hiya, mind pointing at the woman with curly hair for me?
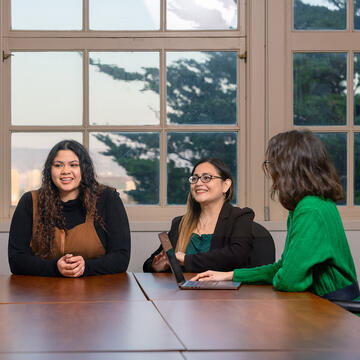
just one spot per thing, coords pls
(72, 226)
(316, 256)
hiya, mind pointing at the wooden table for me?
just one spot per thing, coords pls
(146, 316)
(250, 325)
(28, 289)
(97, 313)
(162, 286)
(124, 355)
(272, 355)
(86, 327)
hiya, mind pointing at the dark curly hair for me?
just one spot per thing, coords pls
(50, 205)
(299, 165)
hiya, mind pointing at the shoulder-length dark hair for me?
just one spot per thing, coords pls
(50, 205)
(299, 165)
(190, 219)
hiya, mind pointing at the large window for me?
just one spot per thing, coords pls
(148, 86)
(152, 86)
(321, 81)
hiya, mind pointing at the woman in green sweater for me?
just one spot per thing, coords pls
(316, 256)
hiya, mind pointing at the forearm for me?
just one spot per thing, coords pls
(111, 263)
(261, 274)
(27, 264)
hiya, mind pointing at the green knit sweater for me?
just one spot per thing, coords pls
(316, 256)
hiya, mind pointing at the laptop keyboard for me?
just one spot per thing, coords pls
(200, 284)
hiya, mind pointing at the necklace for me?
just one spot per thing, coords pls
(201, 226)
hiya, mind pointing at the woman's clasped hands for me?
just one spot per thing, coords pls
(71, 266)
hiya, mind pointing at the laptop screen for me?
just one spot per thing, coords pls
(170, 253)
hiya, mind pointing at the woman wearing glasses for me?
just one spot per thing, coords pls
(316, 256)
(213, 233)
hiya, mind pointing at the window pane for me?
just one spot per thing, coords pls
(46, 88)
(46, 14)
(184, 150)
(28, 155)
(201, 87)
(201, 15)
(336, 146)
(357, 88)
(124, 15)
(130, 163)
(357, 168)
(320, 88)
(124, 88)
(357, 14)
(319, 14)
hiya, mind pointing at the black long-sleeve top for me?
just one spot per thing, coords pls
(231, 243)
(116, 238)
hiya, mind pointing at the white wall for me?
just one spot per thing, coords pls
(4, 264)
(144, 243)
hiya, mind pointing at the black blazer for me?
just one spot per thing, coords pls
(231, 244)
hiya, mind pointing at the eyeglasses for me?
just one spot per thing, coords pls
(204, 178)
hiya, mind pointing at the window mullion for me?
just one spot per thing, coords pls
(163, 132)
(86, 98)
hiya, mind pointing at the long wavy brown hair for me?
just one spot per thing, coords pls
(299, 165)
(189, 221)
(49, 204)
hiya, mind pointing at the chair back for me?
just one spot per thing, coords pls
(263, 252)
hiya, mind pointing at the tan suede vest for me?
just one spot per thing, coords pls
(80, 240)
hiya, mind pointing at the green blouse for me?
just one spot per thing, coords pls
(316, 256)
(199, 244)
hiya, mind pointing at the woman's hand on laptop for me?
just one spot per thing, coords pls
(160, 262)
(211, 275)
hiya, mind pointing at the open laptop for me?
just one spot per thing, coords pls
(179, 276)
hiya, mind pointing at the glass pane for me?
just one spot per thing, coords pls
(201, 87)
(357, 14)
(130, 163)
(46, 14)
(320, 88)
(46, 88)
(201, 15)
(124, 15)
(124, 88)
(319, 14)
(357, 88)
(357, 168)
(184, 150)
(28, 155)
(336, 146)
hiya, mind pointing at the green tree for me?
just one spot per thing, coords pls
(198, 92)
(336, 146)
(139, 155)
(316, 17)
(357, 168)
(319, 88)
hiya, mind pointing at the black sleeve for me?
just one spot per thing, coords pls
(234, 251)
(116, 238)
(21, 260)
(173, 235)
